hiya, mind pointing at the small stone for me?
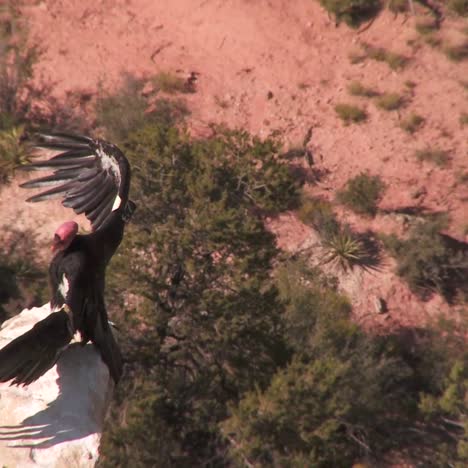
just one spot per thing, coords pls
(380, 305)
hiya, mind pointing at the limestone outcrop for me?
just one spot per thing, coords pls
(55, 422)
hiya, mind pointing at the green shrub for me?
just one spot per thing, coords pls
(463, 118)
(412, 123)
(319, 214)
(457, 53)
(436, 156)
(12, 152)
(210, 313)
(323, 408)
(17, 95)
(352, 12)
(127, 110)
(356, 88)
(23, 279)
(389, 101)
(17, 58)
(430, 262)
(170, 83)
(362, 194)
(350, 114)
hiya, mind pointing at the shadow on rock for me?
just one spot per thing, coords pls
(79, 409)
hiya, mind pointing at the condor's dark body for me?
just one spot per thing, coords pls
(92, 177)
(84, 264)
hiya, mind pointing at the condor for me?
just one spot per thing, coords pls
(91, 177)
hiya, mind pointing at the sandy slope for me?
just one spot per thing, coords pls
(279, 65)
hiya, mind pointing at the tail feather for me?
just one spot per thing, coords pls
(104, 340)
(110, 352)
(32, 354)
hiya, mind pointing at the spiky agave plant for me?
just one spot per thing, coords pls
(344, 250)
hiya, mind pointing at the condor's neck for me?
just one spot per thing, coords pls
(107, 239)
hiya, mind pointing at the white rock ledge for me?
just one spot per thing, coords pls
(55, 422)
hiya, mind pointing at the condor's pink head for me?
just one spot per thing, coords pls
(64, 235)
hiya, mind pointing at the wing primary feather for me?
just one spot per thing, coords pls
(88, 173)
(74, 153)
(55, 163)
(95, 198)
(68, 136)
(103, 215)
(78, 200)
(83, 187)
(47, 181)
(52, 193)
(103, 207)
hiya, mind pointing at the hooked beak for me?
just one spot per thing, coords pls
(57, 243)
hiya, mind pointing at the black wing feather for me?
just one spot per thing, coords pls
(91, 176)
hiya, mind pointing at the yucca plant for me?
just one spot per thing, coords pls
(344, 250)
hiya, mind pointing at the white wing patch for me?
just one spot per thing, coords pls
(109, 164)
(63, 287)
(117, 203)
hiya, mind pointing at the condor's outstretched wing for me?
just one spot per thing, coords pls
(91, 176)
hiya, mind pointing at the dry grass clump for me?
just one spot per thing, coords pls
(393, 60)
(170, 83)
(389, 101)
(356, 88)
(434, 155)
(457, 53)
(412, 123)
(350, 114)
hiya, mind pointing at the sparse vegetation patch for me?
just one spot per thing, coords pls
(393, 60)
(457, 53)
(460, 7)
(431, 262)
(426, 27)
(434, 155)
(170, 83)
(389, 101)
(356, 88)
(412, 123)
(349, 113)
(318, 213)
(362, 193)
(352, 12)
